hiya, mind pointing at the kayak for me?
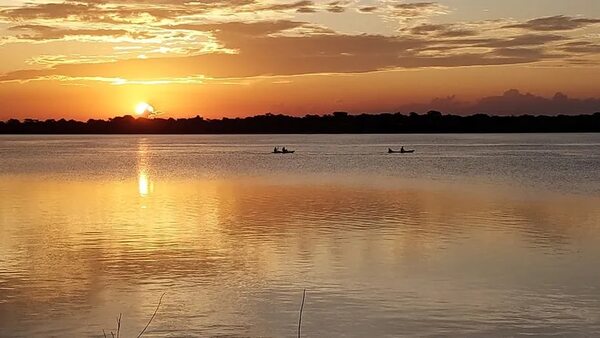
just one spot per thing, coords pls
(284, 152)
(400, 151)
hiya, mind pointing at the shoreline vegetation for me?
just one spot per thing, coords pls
(118, 328)
(336, 123)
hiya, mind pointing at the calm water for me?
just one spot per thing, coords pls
(473, 235)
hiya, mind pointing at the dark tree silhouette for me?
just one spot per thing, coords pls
(338, 122)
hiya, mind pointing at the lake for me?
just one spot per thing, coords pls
(472, 235)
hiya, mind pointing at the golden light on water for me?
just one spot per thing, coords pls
(143, 184)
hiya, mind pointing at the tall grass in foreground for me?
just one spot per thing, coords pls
(118, 333)
(300, 317)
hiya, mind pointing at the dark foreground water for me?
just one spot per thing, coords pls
(473, 235)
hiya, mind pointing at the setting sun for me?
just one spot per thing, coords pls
(143, 108)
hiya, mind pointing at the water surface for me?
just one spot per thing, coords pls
(495, 235)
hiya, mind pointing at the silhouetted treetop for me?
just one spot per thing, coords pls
(338, 122)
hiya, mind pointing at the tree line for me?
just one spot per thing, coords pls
(338, 122)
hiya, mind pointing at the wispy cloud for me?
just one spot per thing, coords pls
(41, 32)
(248, 38)
(260, 48)
(414, 11)
(555, 23)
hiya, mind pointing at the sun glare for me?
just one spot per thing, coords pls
(143, 108)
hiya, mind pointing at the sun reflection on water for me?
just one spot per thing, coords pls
(145, 185)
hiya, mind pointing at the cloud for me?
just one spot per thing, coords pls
(272, 47)
(55, 59)
(443, 30)
(42, 32)
(260, 49)
(512, 102)
(555, 23)
(337, 6)
(410, 14)
(368, 9)
(536, 47)
(515, 102)
(417, 9)
(259, 28)
(306, 10)
(288, 6)
(47, 11)
(132, 11)
(534, 53)
(581, 47)
(76, 12)
(522, 40)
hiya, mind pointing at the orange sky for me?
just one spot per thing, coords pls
(84, 59)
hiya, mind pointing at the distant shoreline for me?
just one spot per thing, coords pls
(337, 123)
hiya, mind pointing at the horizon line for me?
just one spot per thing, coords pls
(338, 114)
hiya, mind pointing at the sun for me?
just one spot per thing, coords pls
(143, 108)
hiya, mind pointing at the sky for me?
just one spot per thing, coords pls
(100, 58)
